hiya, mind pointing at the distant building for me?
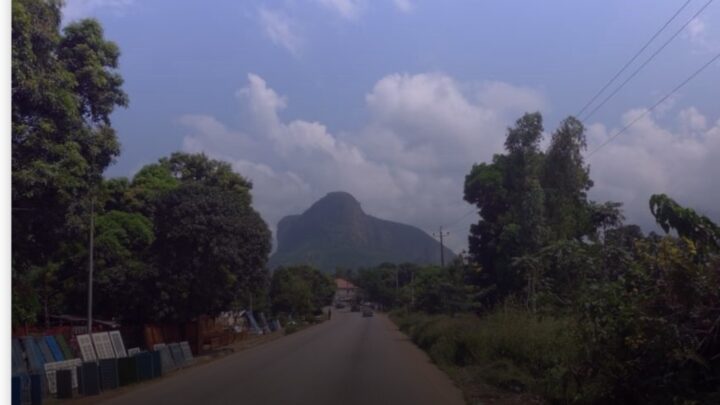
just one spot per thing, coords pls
(345, 291)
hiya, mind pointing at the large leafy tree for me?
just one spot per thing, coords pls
(211, 249)
(64, 88)
(510, 201)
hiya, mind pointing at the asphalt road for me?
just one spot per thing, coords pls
(348, 360)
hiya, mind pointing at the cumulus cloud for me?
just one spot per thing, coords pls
(281, 30)
(76, 9)
(406, 164)
(650, 158)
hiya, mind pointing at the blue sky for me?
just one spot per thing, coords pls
(394, 101)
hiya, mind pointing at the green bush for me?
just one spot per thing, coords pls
(510, 348)
(292, 328)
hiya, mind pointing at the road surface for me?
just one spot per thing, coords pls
(348, 360)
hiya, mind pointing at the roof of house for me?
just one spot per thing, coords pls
(341, 283)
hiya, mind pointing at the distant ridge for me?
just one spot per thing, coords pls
(336, 233)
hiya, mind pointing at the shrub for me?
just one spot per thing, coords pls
(509, 348)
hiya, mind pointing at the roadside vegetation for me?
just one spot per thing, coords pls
(557, 296)
(179, 239)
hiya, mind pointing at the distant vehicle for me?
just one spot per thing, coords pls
(339, 305)
(367, 312)
(354, 308)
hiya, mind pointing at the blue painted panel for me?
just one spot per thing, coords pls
(253, 322)
(54, 348)
(35, 358)
(156, 364)
(18, 362)
(44, 350)
(144, 365)
(177, 354)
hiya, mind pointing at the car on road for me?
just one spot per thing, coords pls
(367, 312)
(354, 308)
(339, 305)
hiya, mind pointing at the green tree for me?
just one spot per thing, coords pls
(211, 248)
(64, 87)
(123, 270)
(215, 173)
(300, 290)
(510, 201)
(147, 187)
(688, 224)
(566, 180)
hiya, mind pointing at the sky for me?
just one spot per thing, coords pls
(395, 100)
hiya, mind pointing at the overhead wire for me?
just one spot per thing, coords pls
(662, 100)
(629, 62)
(451, 224)
(648, 60)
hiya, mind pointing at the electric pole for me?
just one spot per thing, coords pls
(441, 235)
(90, 263)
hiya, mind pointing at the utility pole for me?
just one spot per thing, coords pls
(90, 263)
(441, 235)
(397, 282)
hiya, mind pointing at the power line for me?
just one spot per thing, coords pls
(461, 218)
(648, 60)
(662, 100)
(592, 100)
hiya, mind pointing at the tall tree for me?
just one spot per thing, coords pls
(566, 180)
(510, 202)
(64, 87)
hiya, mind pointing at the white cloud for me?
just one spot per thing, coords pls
(691, 120)
(76, 9)
(281, 30)
(424, 133)
(407, 164)
(697, 32)
(404, 5)
(651, 159)
(348, 9)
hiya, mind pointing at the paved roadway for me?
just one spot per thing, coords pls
(348, 360)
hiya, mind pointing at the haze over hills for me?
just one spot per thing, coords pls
(336, 233)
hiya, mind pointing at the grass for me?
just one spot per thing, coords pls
(511, 349)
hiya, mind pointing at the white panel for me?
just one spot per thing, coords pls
(51, 368)
(103, 346)
(86, 348)
(117, 343)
